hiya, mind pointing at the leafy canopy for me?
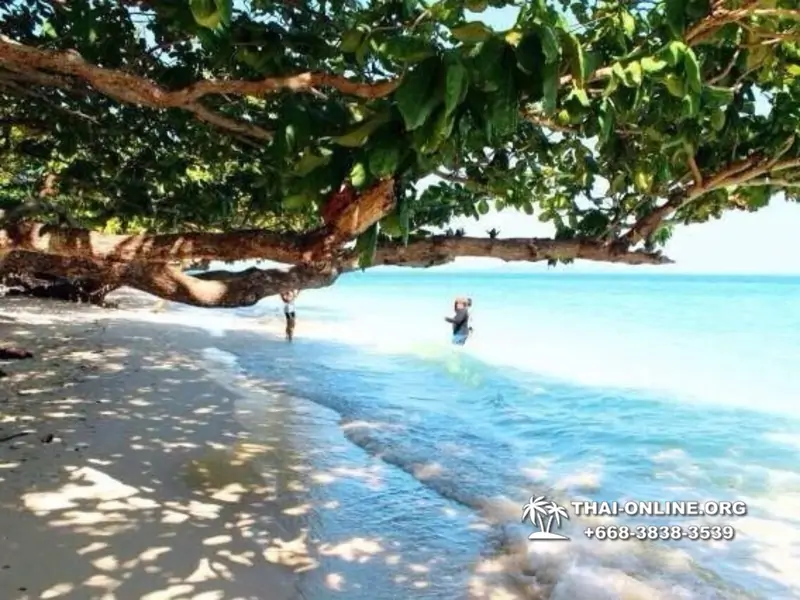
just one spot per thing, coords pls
(611, 120)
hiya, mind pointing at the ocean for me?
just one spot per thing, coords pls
(597, 387)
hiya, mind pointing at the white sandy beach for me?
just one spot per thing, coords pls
(135, 476)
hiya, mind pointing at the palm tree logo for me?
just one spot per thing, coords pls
(539, 507)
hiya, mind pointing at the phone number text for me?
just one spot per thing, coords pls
(662, 533)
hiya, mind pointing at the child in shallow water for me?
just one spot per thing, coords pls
(460, 321)
(288, 298)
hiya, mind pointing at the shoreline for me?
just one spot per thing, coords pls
(187, 463)
(170, 476)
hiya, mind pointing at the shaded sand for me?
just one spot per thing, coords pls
(148, 472)
(103, 510)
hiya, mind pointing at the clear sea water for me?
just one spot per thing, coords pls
(574, 386)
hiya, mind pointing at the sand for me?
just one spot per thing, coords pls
(132, 478)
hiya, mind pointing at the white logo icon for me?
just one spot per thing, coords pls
(539, 508)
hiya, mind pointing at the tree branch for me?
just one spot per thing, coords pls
(28, 62)
(367, 208)
(440, 250)
(737, 174)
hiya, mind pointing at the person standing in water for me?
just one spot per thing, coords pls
(288, 298)
(460, 321)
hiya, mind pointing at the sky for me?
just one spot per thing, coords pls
(765, 242)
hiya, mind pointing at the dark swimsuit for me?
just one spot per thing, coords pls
(461, 328)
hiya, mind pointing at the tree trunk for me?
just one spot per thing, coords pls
(35, 275)
(42, 285)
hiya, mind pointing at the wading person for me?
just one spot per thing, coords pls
(460, 321)
(288, 311)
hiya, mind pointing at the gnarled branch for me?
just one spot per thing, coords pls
(367, 208)
(28, 63)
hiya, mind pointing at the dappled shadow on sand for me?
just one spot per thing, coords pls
(136, 479)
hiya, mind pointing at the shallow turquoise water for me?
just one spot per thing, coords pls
(607, 387)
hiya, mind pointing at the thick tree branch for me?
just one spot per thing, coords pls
(366, 209)
(251, 244)
(440, 250)
(29, 62)
(227, 289)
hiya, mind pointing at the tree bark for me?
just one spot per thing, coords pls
(365, 210)
(36, 276)
(41, 285)
(439, 250)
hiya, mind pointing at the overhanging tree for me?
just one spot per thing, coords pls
(139, 136)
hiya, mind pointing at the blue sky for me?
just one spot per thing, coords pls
(764, 242)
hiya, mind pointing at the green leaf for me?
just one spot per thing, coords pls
(618, 71)
(435, 132)
(628, 23)
(577, 61)
(606, 119)
(690, 106)
(756, 56)
(675, 86)
(651, 64)
(407, 49)
(416, 98)
(581, 96)
(351, 40)
(360, 134)
(383, 159)
(358, 175)
(618, 184)
(472, 32)
(206, 13)
(48, 30)
(673, 53)
(716, 96)
(675, 12)
(611, 86)
(310, 161)
(485, 60)
(456, 85)
(718, 120)
(225, 8)
(550, 81)
(297, 202)
(692, 67)
(362, 50)
(367, 246)
(504, 103)
(529, 52)
(634, 73)
(643, 180)
(390, 225)
(550, 47)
